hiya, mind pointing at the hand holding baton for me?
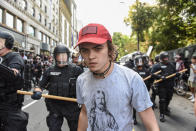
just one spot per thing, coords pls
(170, 76)
(49, 96)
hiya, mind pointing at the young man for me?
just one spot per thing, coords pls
(108, 92)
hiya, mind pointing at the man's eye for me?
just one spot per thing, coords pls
(98, 48)
(83, 50)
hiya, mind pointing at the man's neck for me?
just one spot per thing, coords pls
(107, 74)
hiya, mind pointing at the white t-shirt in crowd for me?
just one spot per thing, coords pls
(109, 101)
(192, 76)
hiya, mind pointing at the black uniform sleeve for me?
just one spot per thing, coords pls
(45, 79)
(78, 71)
(17, 63)
(155, 68)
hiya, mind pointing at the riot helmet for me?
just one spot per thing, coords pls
(157, 58)
(61, 55)
(138, 61)
(9, 39)
(145, 59)
(164, 56)
(134, 54)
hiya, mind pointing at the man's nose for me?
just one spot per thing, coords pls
(91, 54)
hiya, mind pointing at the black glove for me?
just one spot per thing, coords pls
(36, 95)
(177, 74)
(163, 78)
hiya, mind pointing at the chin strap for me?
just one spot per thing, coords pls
(104, 73)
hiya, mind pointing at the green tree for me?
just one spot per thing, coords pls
(124, 44)
(169, 25)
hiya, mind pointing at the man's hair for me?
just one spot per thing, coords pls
(194, 57)
(112, 51)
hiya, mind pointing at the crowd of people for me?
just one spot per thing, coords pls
(35, 65)
(108, 94)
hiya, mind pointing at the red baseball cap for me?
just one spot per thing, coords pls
(94, 33)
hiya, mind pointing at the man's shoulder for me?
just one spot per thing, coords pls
(124, 69)
(85, 74)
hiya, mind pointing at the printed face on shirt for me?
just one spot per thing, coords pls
(100, 99)
(95, 56)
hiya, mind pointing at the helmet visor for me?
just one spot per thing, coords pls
(139, 62)
(61, 59)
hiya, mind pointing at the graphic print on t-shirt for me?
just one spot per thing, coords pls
(100, 118)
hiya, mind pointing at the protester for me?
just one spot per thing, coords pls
(108, 91)
(192, 78)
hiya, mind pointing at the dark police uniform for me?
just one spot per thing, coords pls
(165, 88)
(11, 116)
(60, 81)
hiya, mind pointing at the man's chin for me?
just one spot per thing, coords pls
(95, 70)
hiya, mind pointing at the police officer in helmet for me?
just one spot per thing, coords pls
(165, 88)
(12, 118)
(60, 80)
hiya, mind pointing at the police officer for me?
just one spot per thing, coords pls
(141, 69)
(165, 88)
(12, 118)
(60, 80)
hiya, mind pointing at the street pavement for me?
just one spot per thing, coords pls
(181, 119)
(182, 116)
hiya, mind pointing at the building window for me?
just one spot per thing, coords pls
(50, 26)
(45, 9)
(33, 12)
(40, 17)
(19, 25)
(40, 35)
(45, 22)
(1, 15)
(9, 20)
(44, 38)
(31, 31)
(48, 40)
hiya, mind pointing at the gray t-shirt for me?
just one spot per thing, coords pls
(109, 101)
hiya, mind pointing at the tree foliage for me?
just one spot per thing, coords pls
(168, 25)
(124, 43)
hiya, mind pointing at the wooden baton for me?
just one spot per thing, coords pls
(49, 96)
(170, 76)
(148, 77)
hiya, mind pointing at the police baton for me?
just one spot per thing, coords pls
(49, 96)
(170, 76)
(148, 77)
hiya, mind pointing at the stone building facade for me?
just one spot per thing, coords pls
(37, 24)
